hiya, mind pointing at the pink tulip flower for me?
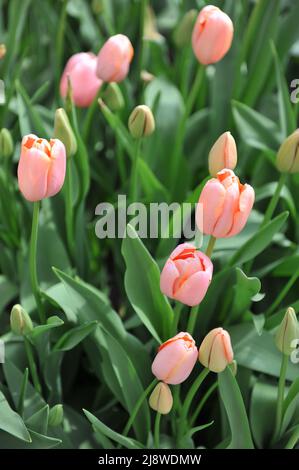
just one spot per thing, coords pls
(212, 35)
(186, 275)
(175, 359)
(41, 169)
(81, 69)
(226, 205)
(215, 351)
(114, 59)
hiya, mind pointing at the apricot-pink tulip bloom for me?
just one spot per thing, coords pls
(215, 351)
(81, 69)
(114, 59)
(41, 169)
(226, 205)
(212, 35)
(175, 359)
(186, 275)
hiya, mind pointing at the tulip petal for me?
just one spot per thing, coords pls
(33, 171)
(212, 199)
(56, 174)
(245, 205)
(194, 288)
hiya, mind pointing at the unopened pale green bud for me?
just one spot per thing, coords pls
(64, 132)
(20, 321)
(161, 398)
(287, 332)
(6, 143)
(183, 32)
(56, 415)
(113, 97)
(287, 160)
(141, 122)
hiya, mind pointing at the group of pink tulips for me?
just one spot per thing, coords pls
(224, 204)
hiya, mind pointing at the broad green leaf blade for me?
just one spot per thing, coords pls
(236, 412)
(256, 130)
(262, 412)
(38, 441)
(142, 282)
(259, 242)
(258, 351)
(245, 289)
(11, 422)
(74, 336)
(99, 426)
(39, 421)
(292, 395)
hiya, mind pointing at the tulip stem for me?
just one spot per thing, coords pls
(274, 200)
(192, 319)
(157, 431)
(134, 180)
(137, 406)
(280, 396)
(176, 316)
(32, 365)
(69, 215)
(179, 140)
(210, 246)
(188, 400)
(33, 262)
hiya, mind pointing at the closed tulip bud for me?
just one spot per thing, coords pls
(20, 321)
(80, 70)
(113, 97)
(114, 59)
(223, 154)
(287, 160)
(212, 35)
(6, 143)
(64, 132)
(56, 416)
(141, 122)
(183, 32)
(215, 351)
(224, 205)
(186, 275)
(161, 399)
(175, 359)
(287, 332)
(41, 169)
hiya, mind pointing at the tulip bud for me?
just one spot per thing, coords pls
(146, 76)
(2, 50)
(64, 132)
(20, 321)
(141, 122)
(56, 415)
(223, 154)
(6, 143)
(175, 359)
(212, 35)
(287, 160)
(288, 330)
(161, 399)
(113, 97)
(215, 351)
(183, 32)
